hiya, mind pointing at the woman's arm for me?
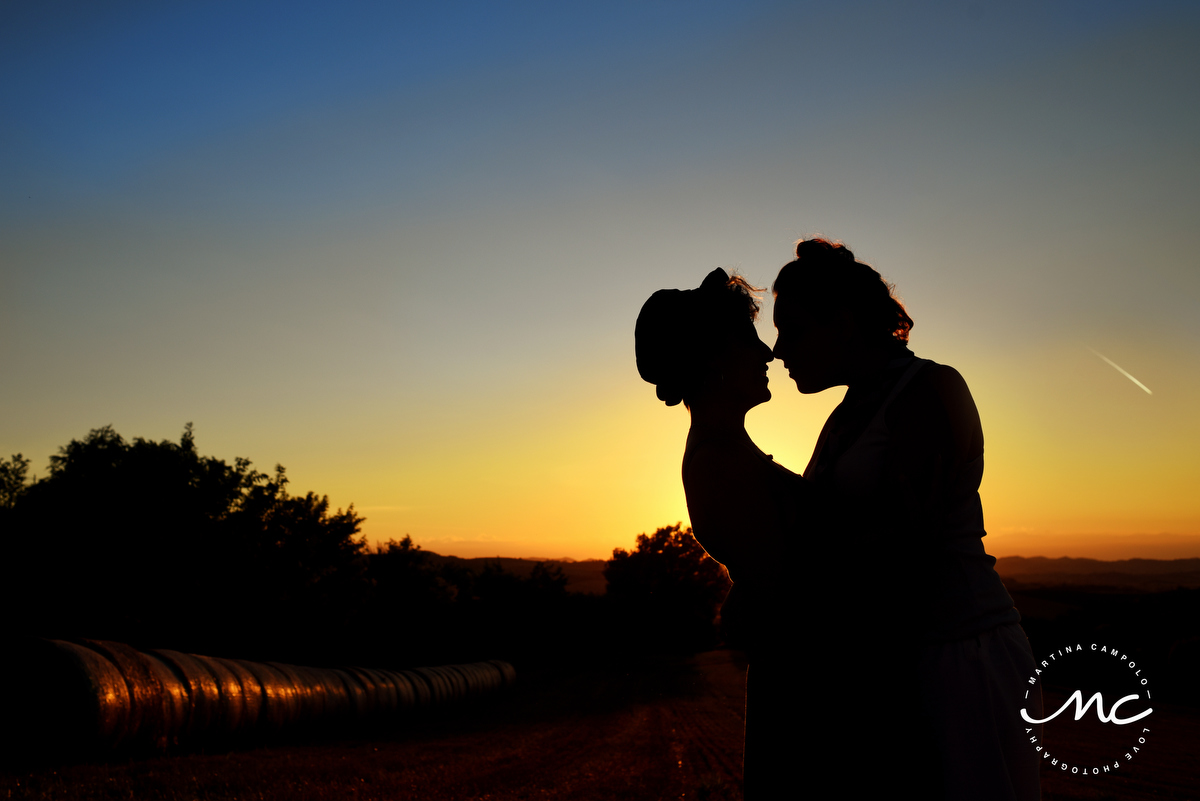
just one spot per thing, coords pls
(734, 500)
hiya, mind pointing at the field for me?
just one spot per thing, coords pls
(667, 729)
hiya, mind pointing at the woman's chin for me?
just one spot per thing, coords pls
(810, 387)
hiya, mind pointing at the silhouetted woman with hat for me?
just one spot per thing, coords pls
(699, 347)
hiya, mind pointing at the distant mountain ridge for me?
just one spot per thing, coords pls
(1017, 565)
(1143, 574)
(587, 575)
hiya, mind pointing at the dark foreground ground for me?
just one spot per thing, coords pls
(671, 729)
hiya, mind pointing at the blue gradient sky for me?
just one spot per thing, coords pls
(399, 248)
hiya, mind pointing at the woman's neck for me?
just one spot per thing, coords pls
(718, 417)
(872, 363)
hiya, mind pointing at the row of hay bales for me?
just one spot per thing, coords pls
(112, 696)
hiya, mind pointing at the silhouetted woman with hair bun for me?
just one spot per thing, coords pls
(699, 347)
(899, 463)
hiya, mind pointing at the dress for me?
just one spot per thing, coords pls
(901, 462)
(750, 514)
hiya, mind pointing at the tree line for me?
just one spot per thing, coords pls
(153, 544)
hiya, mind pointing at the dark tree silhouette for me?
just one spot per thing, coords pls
(548, 580)
(142, 539)
(668, 589)
(404, 576)
(153, 544)
(13, 474)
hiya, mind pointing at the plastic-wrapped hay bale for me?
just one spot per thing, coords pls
(381, 699)
(477, 681)
(252, 693)
(434, 688)
(323, 689)
(100, 696)
(480, 679)
(423, 695)
(306, 705)
(502, 679)
(490, 676)
(387, 700)
(203, 692)
(231, 702)
(361, 695)
(456, 687)
(346, 692)
(318, 693)
(454, 679)
(338, 704)
(506, 670)
(496, 680)
(470, 677)
(460, 685)
(323, 696)
(399, 690)
(96, 715)
(451, 689)
(177, 701)
(459, 688)
(408, 694)
(281, 703)
(382, 696)
(439, 690)
(413, 688)
(146, 726)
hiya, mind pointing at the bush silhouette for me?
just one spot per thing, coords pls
(126, 540)
(668, 590)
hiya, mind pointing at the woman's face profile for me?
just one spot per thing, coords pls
(813, 348)
(741, 369)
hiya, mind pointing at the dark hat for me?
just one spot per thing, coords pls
(675, 332)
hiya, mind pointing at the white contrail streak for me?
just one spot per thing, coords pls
(1120, 370)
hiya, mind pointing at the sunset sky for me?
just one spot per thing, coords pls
(399, 248)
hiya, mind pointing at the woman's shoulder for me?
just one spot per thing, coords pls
(940, 378)
(935, 384)
(721, 459)
(938, 399)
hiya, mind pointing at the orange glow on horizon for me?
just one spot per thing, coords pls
(589, 474)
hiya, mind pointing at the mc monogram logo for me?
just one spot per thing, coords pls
(1083, 744)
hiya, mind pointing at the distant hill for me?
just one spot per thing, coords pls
(1148, 575)
(1142, 574)
(586, 576)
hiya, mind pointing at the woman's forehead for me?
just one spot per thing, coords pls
(747, 331)
(797, 310)
(788, 309)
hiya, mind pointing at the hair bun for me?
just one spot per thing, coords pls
(678, 331)
(830, 277)
(717, 279)
(825, 248)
